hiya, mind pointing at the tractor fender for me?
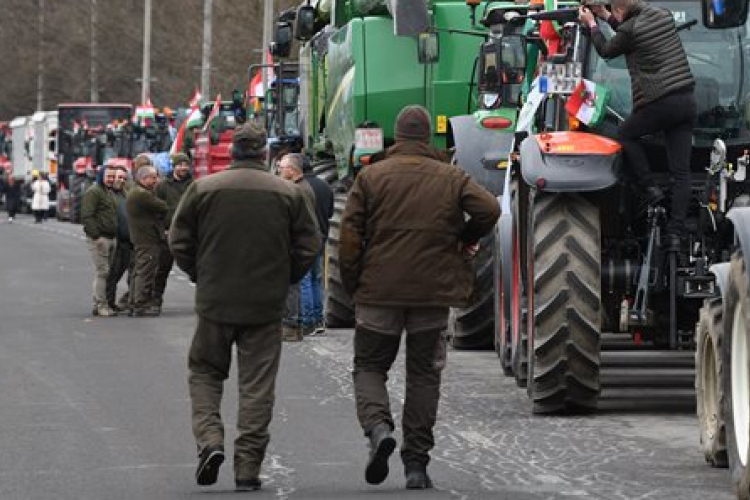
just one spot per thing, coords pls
(566, 173)
(721, 272)
(740, 217)
(479, 151)
(504, 234)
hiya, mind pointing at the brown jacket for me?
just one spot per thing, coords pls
(403, 230)
(243, 235)
(146, 215)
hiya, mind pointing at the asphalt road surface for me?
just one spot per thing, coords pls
(95, 408)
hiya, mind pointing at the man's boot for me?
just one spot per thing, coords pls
(382, 445)
(416, 477)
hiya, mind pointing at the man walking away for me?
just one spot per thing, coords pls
(294, 327)
(99, 219)
(242, 235)
(311, 287)
(146, 215)
(122, 260)
(663, 98)
(170, 190)
(404, 242)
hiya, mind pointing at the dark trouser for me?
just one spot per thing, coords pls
(376, 342)
(162, 274)
(38, 215)
(122, 262)
(143, 281)
(675, 115)
(258, 355)
(11, 203)
(292, 317)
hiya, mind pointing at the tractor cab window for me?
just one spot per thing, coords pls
(720, 63)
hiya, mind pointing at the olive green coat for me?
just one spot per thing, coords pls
(243, 235)
(146, 216)
(99, 212)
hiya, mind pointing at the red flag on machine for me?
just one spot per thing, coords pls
(195, 101)
(179, 140)
(214, 112)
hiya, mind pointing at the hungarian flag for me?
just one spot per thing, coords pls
(194, 119)
(214, 112)
(588, 102)
(179, 141)
(195, 101)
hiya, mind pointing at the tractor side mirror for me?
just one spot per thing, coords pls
(718, 14)
(282, 45)
(428, 48)
(305, 27)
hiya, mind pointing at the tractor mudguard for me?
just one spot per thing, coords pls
(740, 217)
(570, 161)
(504, 232)
(721, 272)
(480, 151)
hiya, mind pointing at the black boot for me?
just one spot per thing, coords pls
(210, 460)
(649, 196)
(382, 445)
(416, 477)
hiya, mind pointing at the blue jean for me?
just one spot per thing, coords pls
(311, 287)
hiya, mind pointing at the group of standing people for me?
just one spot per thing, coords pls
(245, 237)
(13, 190)
(126, 229)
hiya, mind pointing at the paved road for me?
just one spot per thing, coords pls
(94, 408)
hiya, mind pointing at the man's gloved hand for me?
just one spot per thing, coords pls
(600, 11)
(586, 16)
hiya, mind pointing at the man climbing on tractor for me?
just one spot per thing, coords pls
(663, 100)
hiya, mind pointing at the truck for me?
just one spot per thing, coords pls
(6, 147)
(83, 145)
(21, 133)
(213, 142)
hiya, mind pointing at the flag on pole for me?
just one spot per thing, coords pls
(214, 112)
(588, 102)
(179, 140)
(195, 101)
(194, 119)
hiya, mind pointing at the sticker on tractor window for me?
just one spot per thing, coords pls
(559, 78)
(679, 16)
(368, 139)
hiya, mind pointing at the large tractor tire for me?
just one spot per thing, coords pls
(565, 269)
(736, 375)
(77, 188)
(708, 389)
(339, 305)
(474, 326)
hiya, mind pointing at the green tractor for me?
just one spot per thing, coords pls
(360, 65)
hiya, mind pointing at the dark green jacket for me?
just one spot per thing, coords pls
(146, 215)
(171, 190)
(243, 235)
(99, 212)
